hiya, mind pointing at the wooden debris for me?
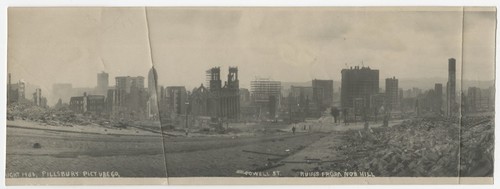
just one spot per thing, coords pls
(264, 153)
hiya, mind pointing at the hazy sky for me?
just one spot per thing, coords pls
(71, 45)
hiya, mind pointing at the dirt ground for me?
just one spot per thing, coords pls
(228, 156)
(139, 155)
(129, 156)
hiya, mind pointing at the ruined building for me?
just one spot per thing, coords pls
(15, 91)
(102, 83)
(175, 98)
(87, 103)
(38, 99)
(128, 99)
(302, 101)
(266, 95)
(438, 90)
(220, 101)
(322, 93)
(199, 101)
(358, 84)
(391, 93)
(153, 92)
(451, 93)
(12, 94)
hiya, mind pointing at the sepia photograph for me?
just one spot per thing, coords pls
(186, 93)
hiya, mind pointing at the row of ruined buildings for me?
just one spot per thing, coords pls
(16, 93)
(359, 95)
(130, 99)
(362, 97)
(223, 100)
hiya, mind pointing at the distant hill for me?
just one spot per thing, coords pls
(428, 83)
(407, 83)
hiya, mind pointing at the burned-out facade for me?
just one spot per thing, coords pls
(128, 99)
(266, 96)
(322, 93)
(358, 84)
(218, 101)
(87, 104)
(451, 93)
(391, 93)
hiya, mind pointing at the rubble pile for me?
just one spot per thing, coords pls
(26, 111)
(476, 154)
(423, 147)
(49, 116)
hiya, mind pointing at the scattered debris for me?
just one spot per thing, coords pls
(37, 145)
(264, 153)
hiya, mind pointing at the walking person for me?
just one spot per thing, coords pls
(345, 112)
(335, 113)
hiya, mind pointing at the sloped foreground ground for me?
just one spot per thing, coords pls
(412, 148)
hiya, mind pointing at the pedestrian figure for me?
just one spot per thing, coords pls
(345, 117)
(293, 130)
(304, 127)
(335, 113)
